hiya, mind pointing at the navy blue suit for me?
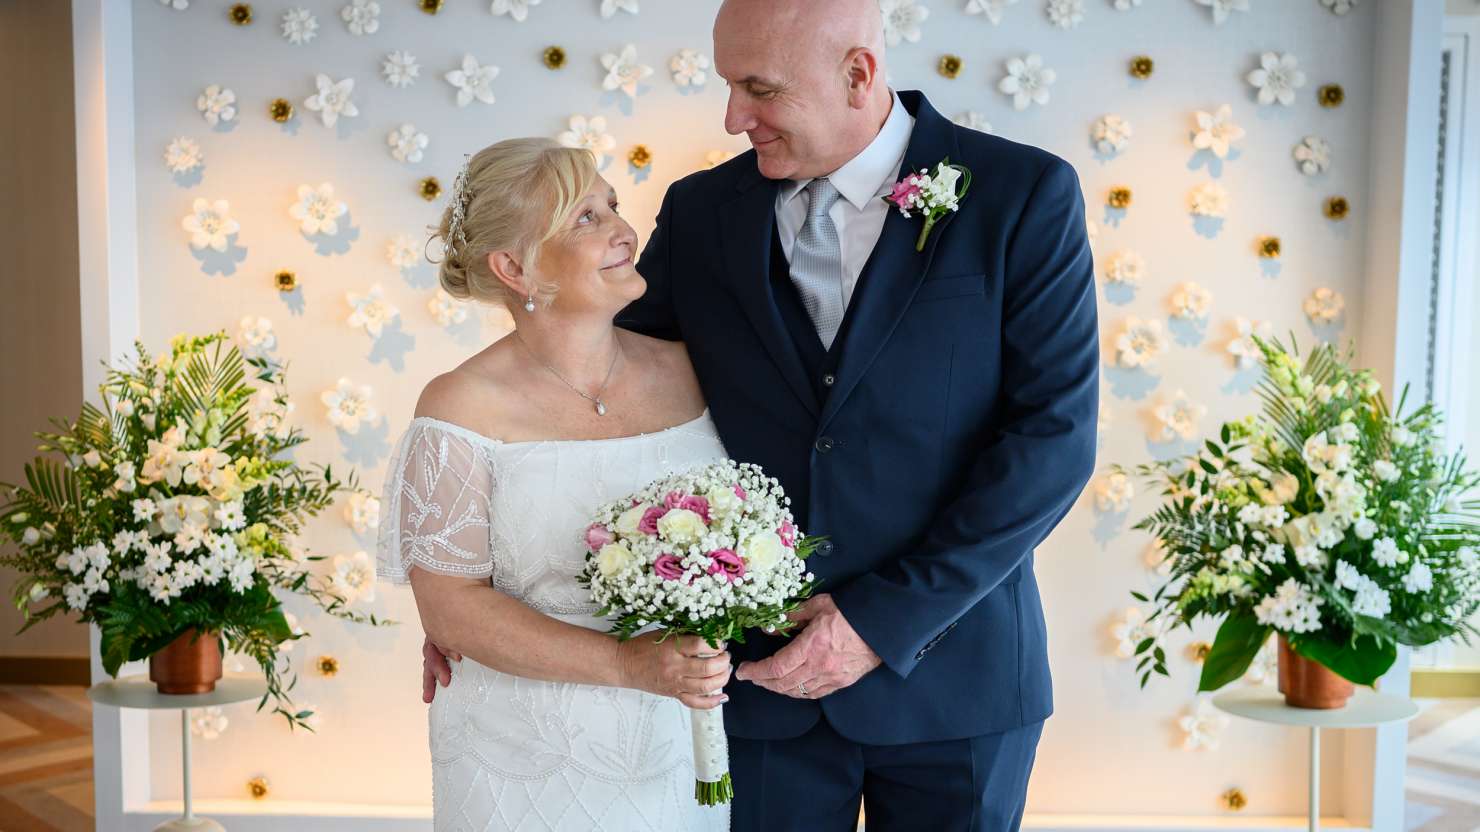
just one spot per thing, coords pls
(945, 434)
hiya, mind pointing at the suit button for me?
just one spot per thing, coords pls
(828, 379)
(824, 444)
(825, 548)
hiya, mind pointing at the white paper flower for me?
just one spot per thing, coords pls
(216, 104)
(183, 155)
(1216, 131)
(1314, 155)
(1113, 492)
(1125, 5)
(973, 120)
(1133, 628)
(902, 19)
(208, 723)
(472, 81)
(446, 309)
(300, 26)
(1221, 8)
(1125, 268)
(1065, 14)
(1191, 301)
(623, 72)
(590, 134)
(209, 224)
(1339, 6)
(354, 577)
(689, 67)
(400, 68)
(1141, 343)
(316, 210)
(1242, 347)
(611, 7)
(177, 5)
(349, 406)
(1203, 723)
(333, 99)
(1277, 78)
(407, 143)
(991, 8)
(715, 158)
(1027, 81)
(403, 252)
(1209, 199)
(362, 512)
(254, 337)
(362, 17)
(1324, 305)
(1178, 416)
(1111, 134)
(371, 311)
(1104, 418)
(517, 9)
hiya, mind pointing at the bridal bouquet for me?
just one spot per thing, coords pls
(711, 552)
(1325, 519)
(168, 510)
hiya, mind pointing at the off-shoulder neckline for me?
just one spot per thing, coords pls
(475, 436)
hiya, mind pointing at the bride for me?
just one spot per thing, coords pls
(549, 723)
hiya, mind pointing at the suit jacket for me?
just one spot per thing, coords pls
(947, 432)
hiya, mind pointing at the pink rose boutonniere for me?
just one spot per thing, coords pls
(932, 195)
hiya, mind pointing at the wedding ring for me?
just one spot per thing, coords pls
(802, 686)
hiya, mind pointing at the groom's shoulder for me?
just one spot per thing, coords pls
(1007, 157)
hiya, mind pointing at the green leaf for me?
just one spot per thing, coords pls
(1234, 648)
(1362, 660)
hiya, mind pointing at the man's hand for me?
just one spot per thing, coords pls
(435, 669)
(826, 656)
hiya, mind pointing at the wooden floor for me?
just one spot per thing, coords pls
(46, 763)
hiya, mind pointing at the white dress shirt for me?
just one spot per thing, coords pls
(862, 181)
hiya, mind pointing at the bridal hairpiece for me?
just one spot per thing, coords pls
(459, 205)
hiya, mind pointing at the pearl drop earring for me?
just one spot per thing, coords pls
(529, 304)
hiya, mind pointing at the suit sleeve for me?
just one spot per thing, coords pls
(1041, 447)
(653, 313)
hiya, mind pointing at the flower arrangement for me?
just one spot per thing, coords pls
(932, 195)
(170, 510)
(711, 552)
(1325, 519)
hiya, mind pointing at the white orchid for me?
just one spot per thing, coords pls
(690, 68)
(472, 81)
(254, 337)
(1221, 8)
(991, 8)
(623, 72)
(403, 252)
(517, 9)
(1027, 81)
(332, 99)
(1208, 199)
(317, 210)
(1125, 268)
(902, 19)
(1324, 305)
(183, 155)
(446, 309)
(611, 7)
(1178, 417)
(1242, 347)
(371, 311)
(1216, 131)
(1191, 301)
(973, 120)
(1065, 14)
(407, 143)
(1111, 134)
(362, 17)
(1277, 78)
(1314, 155)
(1113, 492)
(216, 104)
(299, 26)
(589, 133)
(1203, 726)
(400, 68)
(1141, 343)
(349, 406)
(210, 224)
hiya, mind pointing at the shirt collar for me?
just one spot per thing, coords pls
(872, 170)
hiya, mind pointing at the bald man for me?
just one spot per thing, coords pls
(932, 412)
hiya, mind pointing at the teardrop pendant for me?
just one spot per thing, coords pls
(600, 408)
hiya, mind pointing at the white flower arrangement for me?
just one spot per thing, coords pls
(589, 133)
(1178, 417)
(973, 120)
(1216, 131)
(332, 99)
(183, 155)
(402, 252)
(690, 68)
(1113, 492)
(1244, 345)
(1313, 154)
(1027, 81)
(1065, 14)
(254, 337)
(400, 69)
(371, 311)
(216, 104)
(1222, 8)
(317, 209)
(210, 224)
(1140, 343)
(472, 81)
(1324, 305)
(361, 17)
(1208, 199)
(623, 72)
(446, 310)
(1111, 134)
(1191, 301)
(1125, 268)
(991, 8)
(517, 9)
(407, 143)
(1277, 78)
(349, 406)
(902, 19)
(299, 26)
(611, 7)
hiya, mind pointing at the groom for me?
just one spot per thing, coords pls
(931, 412)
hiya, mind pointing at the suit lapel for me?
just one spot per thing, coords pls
(894, 270)
(746, 224)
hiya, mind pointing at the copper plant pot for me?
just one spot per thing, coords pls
(1310, 684)
(187, 666)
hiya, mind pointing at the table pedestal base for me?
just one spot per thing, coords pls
(196, 824)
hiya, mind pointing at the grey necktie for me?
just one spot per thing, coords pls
(817, 262)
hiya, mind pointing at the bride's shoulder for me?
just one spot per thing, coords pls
(466, 389)
(658, 350)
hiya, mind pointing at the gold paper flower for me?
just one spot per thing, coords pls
(554, 57)
(1199, 650)
(949, 66)
(1120, 197)
(430, 188)
(327, 665)
(1337, 208)
(285, 281)
(281, 110)
(258, 787)
(1269, 248)
(1142, 66)
(1234, 799)
(1330, 95)
(640, 157)
(430, 6)
(240, 14)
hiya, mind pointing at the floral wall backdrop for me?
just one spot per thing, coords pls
(290, 158)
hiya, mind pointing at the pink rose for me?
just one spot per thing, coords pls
(649, 522)
(788, 534)
(740, 492)
(597, 536)
(904, 190)
(727, 564)
(668, 567)
(697, 505)
(672, 499)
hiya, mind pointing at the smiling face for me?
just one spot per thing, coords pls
(591, 257)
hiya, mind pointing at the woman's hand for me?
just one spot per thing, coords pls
(683, 667)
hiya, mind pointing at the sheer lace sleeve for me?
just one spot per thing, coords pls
(436, 505)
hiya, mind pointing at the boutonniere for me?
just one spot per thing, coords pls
(932, 195)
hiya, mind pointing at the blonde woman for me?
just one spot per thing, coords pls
(548, 723)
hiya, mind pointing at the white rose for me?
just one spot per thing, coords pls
(681, 526)
(30, 536)
(627, 521)
(1385, 471)
(92, 458)
(613, 558)
(722, 501)
(763, 551)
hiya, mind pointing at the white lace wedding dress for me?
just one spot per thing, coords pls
(516, 753)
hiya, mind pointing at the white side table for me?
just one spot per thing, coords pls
(1366, 709)
(139, 692)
